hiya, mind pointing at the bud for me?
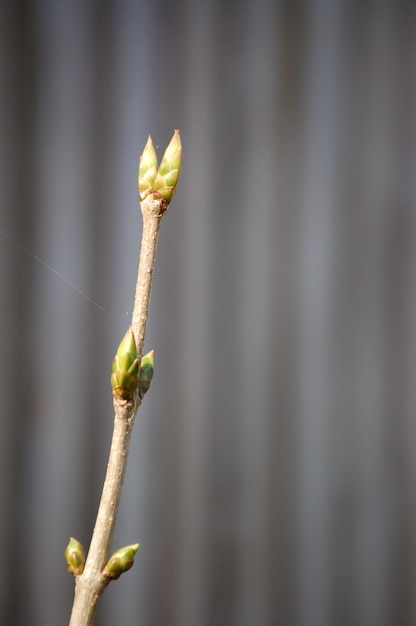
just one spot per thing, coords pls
(121, 561)
(125, 376)
(168, 173)
(75, 557)
(146, 372)
(147, 169)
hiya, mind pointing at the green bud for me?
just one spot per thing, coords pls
(75, 557)
(168, 173)
(121, 561)
(146, 372)
(147, 169)
(125, 374)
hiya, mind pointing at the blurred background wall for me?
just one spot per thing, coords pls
(272, 473)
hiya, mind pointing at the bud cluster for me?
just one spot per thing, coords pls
(160, 182)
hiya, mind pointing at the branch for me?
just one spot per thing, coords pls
(156, 187)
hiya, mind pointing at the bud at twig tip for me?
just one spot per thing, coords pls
(167, 175)
(147, 169)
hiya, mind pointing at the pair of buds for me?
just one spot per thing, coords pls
(160, 181)
(127, 376)
(121, 561)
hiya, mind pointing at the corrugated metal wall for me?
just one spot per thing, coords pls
(272, 474)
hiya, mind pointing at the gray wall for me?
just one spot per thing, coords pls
(272, 475)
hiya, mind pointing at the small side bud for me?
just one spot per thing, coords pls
(121, 561)
(75, 557)
(125, 374)
(146, 372)
(147, 169)
(170, 166)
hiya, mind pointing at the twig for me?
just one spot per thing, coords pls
(93, 579)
